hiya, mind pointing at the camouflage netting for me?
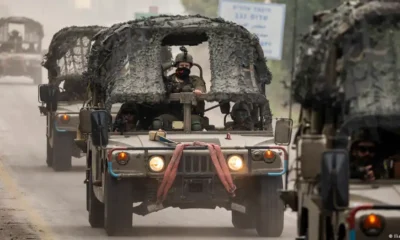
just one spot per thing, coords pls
(30, 24)
(367, 36)
(68, 52)
(125, 62)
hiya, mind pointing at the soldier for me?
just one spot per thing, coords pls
(126, 119)
(365, 163)
(15, 40)
(182, 81)
(241, 116)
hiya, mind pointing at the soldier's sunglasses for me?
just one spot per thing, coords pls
(365, 149)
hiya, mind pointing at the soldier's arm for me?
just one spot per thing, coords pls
(199, 84)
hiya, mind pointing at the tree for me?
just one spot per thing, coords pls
(208, 8)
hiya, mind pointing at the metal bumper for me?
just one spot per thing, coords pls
(272, 172)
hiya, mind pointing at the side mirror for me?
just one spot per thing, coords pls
(100, 121)
(335, 179)
(85, 124)
(283, 131)
(49, 94)
(225, 108)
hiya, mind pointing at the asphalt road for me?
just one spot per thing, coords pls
(54, 203)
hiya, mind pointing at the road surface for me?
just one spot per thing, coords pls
(52, 205)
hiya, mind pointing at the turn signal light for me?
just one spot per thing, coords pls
(372, 224)
(65, 118)
(122, 158)
(269, 156)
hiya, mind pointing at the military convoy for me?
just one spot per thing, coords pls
(347, 80)
(65, 62)
(21, 48)
(140, 166)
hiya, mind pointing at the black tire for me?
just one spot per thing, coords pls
(243, 221)
(95, 207)
(271, 209)
(302, 222)
(62, 151)
(118, 200)
(49, 154)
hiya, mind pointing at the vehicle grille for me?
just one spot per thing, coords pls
(196, 164)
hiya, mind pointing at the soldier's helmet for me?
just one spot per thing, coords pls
(128, 108)
(14, 33)
(362, 135)
(183, 57)
(240, 112)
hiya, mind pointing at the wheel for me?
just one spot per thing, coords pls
(118, 200)
(95, 207)
(242, 221)
(62, 148)
(36, 75)
(271, 209)
(49, 154)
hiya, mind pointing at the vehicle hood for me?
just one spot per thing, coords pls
(370, 194)
(236, 140)
(69, 107)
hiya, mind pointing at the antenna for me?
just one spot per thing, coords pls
(185, 52)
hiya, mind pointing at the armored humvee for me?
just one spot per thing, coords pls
(65, 63)
(140, 166)
(21, 48)
(347, 80)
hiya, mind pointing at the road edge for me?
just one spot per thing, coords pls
(36, 220)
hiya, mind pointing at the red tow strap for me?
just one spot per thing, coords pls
(217, 158)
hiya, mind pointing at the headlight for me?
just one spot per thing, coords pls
(372, 225)
(156, 164)
(64, 118)
(235, 163)
(269, 156)
(122, 158)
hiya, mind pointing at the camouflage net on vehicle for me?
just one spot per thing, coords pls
(30, 24)
(367, 36)
(125, 61)
(68, 50)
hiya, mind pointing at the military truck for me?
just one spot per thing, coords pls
(182, 165)
(347, 79)
(21, 48)
(65, 62)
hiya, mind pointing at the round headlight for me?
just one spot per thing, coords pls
(156, 164)
(122, 158)
(64, 118)
(235, 163)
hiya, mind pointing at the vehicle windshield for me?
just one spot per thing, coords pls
(18, 38)
(208, 116)
(71, 90)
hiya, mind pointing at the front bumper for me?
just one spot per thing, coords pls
(202, 166)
